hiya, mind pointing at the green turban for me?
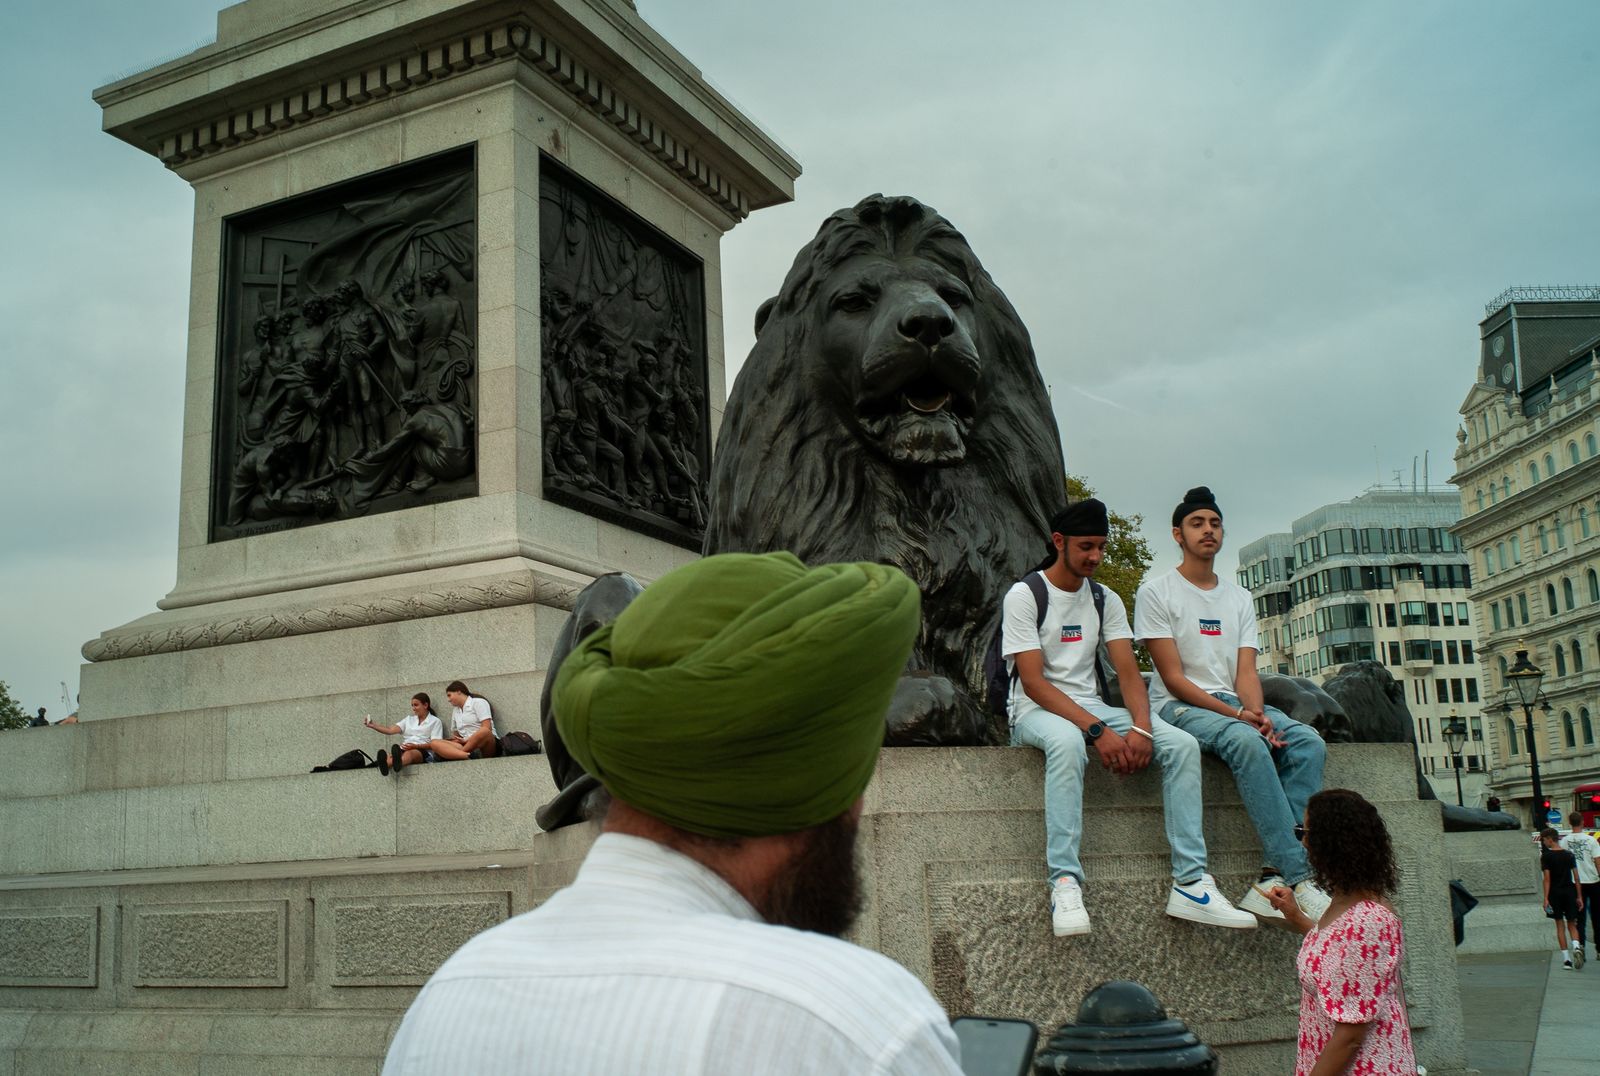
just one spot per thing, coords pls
(741, 695)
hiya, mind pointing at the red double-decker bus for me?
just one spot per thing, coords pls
(1586, 801)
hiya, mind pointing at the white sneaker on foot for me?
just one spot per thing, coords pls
(1067, 916)
(1257, 905)
(1203, 902)
(1566, 962)
(1313, 901)
(1577, 958)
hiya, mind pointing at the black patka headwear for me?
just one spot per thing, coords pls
(1085, 519)
(1193, 501)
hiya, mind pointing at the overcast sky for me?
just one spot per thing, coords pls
(1252, 241)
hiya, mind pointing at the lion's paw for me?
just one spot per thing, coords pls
(929, 710)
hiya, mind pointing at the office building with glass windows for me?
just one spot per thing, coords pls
(1528, 471)
(1379, 578)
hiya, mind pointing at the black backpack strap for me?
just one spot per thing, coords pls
(1041, 597)
(1041, 603)
(1098, 592)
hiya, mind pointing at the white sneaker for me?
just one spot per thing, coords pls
(1577, 957)
(1203, 902)
(1067, 917)
(1313, 901)
(1259, 906)
(1566, 962)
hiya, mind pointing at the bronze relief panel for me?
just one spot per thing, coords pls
(347, 351)
(623, 364)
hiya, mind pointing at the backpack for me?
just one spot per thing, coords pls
(999, 681)
(519, 743)
(353, 759)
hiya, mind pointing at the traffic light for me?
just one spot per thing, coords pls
(1544, 805)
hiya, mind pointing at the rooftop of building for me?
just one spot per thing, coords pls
(1382, 507)
(1541, 293)
(1385, 506)
(1530, 334)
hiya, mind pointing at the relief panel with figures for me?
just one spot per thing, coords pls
(347, 351)
(623, 364)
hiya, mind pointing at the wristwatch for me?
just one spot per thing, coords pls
(1094, 731)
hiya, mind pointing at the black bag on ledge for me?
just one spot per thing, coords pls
(353, 759)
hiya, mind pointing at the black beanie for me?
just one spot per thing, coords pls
(1085, 519)
(1193, 501)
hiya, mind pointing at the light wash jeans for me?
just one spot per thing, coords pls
(1274, 782)
(1065, 753)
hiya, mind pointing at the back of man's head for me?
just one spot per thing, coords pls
(742, 695)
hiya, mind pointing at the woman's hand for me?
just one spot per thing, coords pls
(367, 721)
(1282, 900)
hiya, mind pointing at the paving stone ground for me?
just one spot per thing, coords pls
(1526, 1015)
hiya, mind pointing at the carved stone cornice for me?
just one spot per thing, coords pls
(519, 588)
(416, 67)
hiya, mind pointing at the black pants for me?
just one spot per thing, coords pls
(1591, 912)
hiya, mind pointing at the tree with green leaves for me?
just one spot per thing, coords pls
(1127, 556)
(11, 713)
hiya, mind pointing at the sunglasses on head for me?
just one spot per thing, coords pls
(1299, 832)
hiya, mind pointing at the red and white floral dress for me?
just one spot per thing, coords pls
(1350, 974)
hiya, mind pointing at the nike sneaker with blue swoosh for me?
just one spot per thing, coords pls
(1067, 916)
(1203, 902)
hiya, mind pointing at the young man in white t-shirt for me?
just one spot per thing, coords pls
(1055, 706)
(1586, 853)
(1200, 630)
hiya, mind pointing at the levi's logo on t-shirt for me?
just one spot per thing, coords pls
(1072, 633)
(1210, 627)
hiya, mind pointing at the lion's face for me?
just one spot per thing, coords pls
(897, 336)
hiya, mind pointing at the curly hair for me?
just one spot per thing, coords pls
(1348, 844)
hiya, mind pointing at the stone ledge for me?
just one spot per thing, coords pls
(953, 846)
(357, 813)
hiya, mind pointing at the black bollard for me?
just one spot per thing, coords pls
(1123, 1028)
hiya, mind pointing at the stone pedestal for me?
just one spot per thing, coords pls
(1501, 869)
(421, 228)
(955, 845)
(564, 174)
(248, 925)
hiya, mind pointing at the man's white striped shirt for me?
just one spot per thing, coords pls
(650, 962)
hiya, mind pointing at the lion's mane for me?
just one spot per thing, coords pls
(792, 473)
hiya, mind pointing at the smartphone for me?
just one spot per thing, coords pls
(995, 1047)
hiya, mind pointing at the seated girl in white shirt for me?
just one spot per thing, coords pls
(416, 731)
(472, 732)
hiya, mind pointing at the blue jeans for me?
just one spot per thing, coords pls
(1274, 782)
(1065, 754)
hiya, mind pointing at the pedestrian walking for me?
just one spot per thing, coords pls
(1563, 901)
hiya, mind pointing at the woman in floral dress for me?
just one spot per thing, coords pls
(1352, 1008)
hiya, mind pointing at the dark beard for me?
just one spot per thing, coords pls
(820, 888)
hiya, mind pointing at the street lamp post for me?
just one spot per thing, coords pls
(1455, 738)
(1525, 677)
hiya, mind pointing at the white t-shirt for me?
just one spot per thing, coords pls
(1208, 626)
(1066, 640)
(1583, 848)
(413, 731)
(465, 720)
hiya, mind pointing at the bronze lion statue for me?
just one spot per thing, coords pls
(891, 410)
(1364, 703)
